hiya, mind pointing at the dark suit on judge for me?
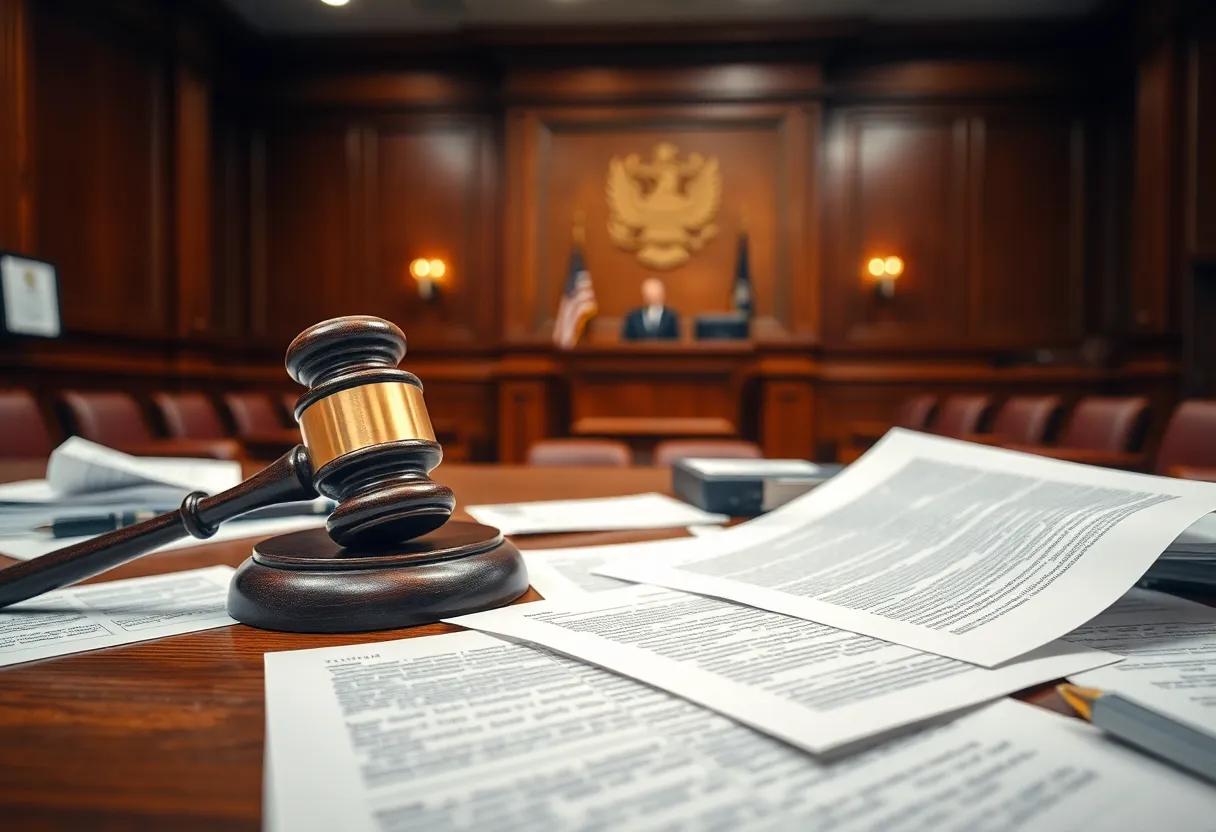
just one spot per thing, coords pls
(639, 326)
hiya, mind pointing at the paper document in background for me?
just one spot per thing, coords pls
(559, 573)
(398, 735)
(31, 546)
(1170, 645)
(78, 619)
(813, 686)
(976, 553)
(79, 466)
(752, 467)
(636, 511)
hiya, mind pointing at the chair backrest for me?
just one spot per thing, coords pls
(669, 450)
(917, 412)
(189, 416)
(110, 418)
(1190, 437)
(24, 435)
(253, 413)
(1100, 423)
(289, 405)
(962, 415)
(605, 453)
(1028, 420)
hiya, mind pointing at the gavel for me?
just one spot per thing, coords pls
(388, 557)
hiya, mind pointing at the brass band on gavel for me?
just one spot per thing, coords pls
(357, 417)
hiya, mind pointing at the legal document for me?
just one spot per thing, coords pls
(1170, 645)
(810, 685)
(976, 553)
(636, 511)
(464, 732)
(559, 573)
(79, 466)
(82, 618)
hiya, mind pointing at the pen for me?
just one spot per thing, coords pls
(89, 525)
(1148, 730)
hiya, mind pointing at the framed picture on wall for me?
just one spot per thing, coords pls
(29, 297)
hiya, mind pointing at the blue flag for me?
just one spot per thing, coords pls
(743, 280)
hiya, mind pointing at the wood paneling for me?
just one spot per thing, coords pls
(1156, 213)
(900, 190)
(343, 205)
(986, 208)
(1201, 150)
(308, 260)
(101, 184)
(16, 221)
(557, 165)
(1027, 266)
(192, 175)
(427, 186)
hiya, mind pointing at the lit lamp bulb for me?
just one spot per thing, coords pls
(885, 270)
(428, 273)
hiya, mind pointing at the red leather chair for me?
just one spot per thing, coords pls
(601, 453)
(189, 416)
(24, 434)
(1024, 420)
(289, 405)
(917, 412)
(668, 451)
(259, 425)
(114, 419)
(961, 416)
(1188, 447)
(1102, 430)
(253, 414)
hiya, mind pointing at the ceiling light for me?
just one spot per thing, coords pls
(335, 2)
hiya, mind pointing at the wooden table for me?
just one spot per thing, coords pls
(168, 734)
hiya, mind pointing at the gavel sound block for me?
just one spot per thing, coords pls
(389, 557)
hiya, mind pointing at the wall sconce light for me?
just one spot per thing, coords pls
(429, 274)
(885, 271)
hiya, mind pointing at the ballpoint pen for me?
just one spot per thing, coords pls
(88, 525)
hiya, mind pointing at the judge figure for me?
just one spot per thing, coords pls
(654, 319)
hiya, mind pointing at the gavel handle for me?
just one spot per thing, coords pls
(288, 478)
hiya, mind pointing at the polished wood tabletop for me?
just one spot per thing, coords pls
(168, 734)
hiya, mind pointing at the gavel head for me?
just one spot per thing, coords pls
(367, 431)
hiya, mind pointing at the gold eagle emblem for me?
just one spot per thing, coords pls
(663, 209)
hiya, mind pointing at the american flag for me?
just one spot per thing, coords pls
(577, 306)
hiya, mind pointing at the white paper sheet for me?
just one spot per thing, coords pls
(28, 547)
(976, 553)
(460, 731)
(1170, 644)
(813, 686)
(79, 466)
(753, 467)
(83, 618)
(636, 511)
(560, 573)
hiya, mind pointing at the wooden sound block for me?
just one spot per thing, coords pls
(303, 582)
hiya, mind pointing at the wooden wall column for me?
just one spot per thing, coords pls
(16, 226)
(525, 405)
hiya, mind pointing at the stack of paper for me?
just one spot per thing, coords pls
(636, 511)
(84, 478)
(838, 647)
(1190, 561)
